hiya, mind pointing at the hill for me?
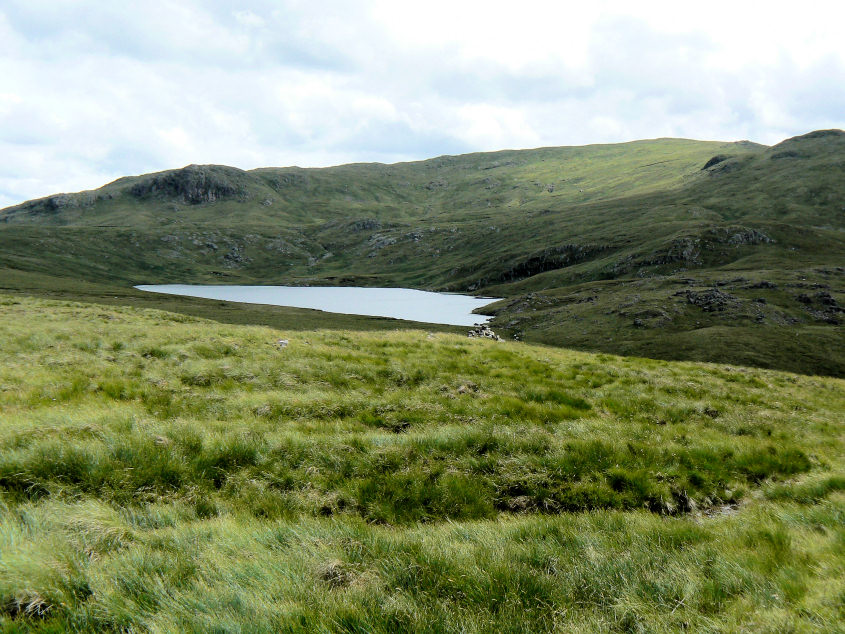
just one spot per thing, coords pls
(668, 248)
(161, 472)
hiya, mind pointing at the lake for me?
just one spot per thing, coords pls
(399, 303)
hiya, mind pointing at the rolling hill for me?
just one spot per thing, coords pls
(667, 248)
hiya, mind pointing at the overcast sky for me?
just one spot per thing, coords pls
(91, 90)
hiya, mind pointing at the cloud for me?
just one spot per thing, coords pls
(249, 19)
(93, 90)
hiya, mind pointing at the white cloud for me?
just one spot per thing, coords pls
(249, 19)
(92, 90)
(483, 125)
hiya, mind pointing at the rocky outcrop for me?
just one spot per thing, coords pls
(43, 208)
(685, 250)
(377, 242)
(736, 236)
(725, 166)
(691, 250)
(720, 158)
(368, 224)
(762, 284)
(483, 331)
(822, 306)
(236, 257)
(826, 299)
(436, 184)
(194, 185)
(546, 260)
(710, 300)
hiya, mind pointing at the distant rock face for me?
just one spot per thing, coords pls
(63, 201)
(725, 165)
(194, 184)
(715, 161)
(546, 260)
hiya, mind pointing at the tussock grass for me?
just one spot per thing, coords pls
(164, 474)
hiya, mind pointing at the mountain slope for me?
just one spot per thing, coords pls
(667, 248)
(442, 186)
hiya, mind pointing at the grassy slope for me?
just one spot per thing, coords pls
(448, 185)
(162, 472)
(595, 248)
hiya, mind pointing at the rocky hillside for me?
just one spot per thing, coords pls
(667, 248)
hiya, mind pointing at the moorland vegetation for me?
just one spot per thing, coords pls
(162, 472)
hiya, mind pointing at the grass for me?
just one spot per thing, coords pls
(162, 472)
(773, 569)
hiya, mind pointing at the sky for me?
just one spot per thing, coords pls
(91, 90)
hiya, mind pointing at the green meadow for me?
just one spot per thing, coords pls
(162, 472)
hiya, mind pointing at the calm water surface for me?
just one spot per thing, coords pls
(399, 303)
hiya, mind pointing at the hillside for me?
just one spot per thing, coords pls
(668, 248)
(445, 186)
(161, 472)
